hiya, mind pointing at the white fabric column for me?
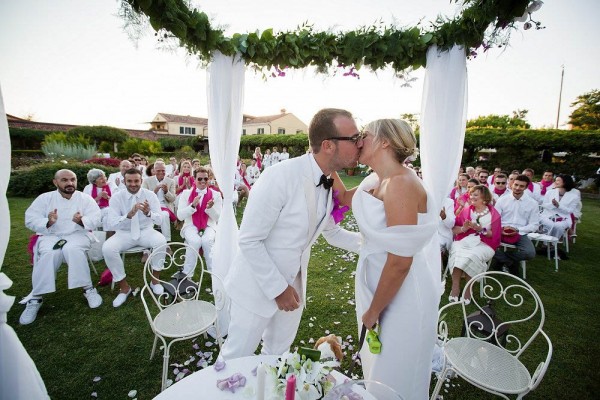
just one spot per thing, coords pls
(225, 88)
(443, 123)
(19, 377)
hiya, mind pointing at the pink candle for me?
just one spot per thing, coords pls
(290, 390)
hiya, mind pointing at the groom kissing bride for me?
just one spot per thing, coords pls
(397, 284)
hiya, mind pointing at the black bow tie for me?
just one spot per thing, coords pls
(326, 182)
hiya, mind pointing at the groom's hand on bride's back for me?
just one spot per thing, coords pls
(288, 300)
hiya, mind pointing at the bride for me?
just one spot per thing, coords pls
(396, 287)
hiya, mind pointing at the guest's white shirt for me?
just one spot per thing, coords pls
(536, 194)
(284, 156)
(112, 180)
(267, 161)
(522, 213)
(122, 202)
(495, 196)
(274, 157)
(252, 174)
(579, 205)
(36, 216)
(170, 170)
(566, 205)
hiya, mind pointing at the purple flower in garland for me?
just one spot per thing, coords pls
(338, 212)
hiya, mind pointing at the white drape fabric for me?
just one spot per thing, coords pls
(443, 118)
(19, 377)
(225, 77)
(443, 123)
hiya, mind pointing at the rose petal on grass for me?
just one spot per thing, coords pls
(132, 393)
(97, 379)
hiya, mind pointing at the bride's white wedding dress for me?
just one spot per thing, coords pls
(408, 324)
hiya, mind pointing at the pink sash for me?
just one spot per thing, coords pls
(200, 217)
(102, 203)
(499, 192)
(530, 187)
(31, 245)
(172, 216)
(494, 241)
(545, 186)
(181, 181)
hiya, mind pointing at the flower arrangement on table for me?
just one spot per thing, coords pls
(313, 379)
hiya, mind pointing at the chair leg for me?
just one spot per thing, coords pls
(153, 347)
(440, 382)
(555, 257)
(165, 366)
(91, 263)
(524, 267)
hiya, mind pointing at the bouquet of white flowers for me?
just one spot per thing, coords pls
(313, 379)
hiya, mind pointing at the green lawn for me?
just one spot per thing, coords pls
(71, 344)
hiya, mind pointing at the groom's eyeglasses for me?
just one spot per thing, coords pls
(354, 138)
(200, 179)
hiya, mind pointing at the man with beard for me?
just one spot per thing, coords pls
(288, 208)
(133, 214)
(61, 220)
(520, 215)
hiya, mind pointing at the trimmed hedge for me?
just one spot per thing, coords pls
(36, 180)
(26, 139)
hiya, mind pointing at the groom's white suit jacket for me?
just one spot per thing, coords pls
(278, 230)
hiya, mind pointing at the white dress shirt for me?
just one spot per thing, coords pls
(36, 216)
(122, 202)
(522, 213)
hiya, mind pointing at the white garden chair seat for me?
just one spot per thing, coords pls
(179, 313)
(551, 243)
(185, 319)
(488, 352)
(479, 361)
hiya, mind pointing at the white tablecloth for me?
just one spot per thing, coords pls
(203, 384)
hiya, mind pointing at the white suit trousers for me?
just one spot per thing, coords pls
(121, 241)
(247, 328)
(165, 226)
(196, 240)
(48, 261)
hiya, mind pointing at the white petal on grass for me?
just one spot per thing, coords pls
(132, 393)
(97, 379)
(94, 394)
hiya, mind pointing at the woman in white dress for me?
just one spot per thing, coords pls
(398, 274)
(559, 203)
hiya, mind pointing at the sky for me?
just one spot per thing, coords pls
(72, 62)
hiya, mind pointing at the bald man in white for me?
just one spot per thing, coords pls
(61, 219)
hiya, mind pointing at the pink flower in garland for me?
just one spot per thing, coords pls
(338, 212)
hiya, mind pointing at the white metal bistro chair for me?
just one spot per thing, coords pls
(488, 356)
(551, 245)
(179, 313)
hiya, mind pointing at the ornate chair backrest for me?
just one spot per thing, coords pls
(178, 286)
(520, 312)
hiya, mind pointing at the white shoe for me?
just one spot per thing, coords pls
(120, 299)
(157, 289)
(93, 298)
(30, 312)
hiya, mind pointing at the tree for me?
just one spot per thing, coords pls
(587, 114)
(412, 120)
(517, 121)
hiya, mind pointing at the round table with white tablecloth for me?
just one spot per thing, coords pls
(202, 385)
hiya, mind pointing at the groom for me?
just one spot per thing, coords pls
(289, 206)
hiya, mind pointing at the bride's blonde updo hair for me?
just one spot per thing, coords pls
(398, 133)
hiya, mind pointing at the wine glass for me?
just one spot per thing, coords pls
(368, 389)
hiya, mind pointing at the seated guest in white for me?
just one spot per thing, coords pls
(252, 173)
(483, 177)
(101, 191)
(547, 182)
(500, 186)
(133, 213)
(470, 171)
(533, 189)
(284, 155)
(477, 236)
(519, 215)
(172, 168)
(61, 219)
(267, 159)
(240, 187)
(491, 178)
(460, 189)
(164, 188)
(511, 179)
(275, 156)
(200, 208)
(559, 203)
(117, 180)
(447, 219)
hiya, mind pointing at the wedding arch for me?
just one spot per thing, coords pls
(442, 47)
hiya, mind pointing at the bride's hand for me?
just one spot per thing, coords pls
(369, 319)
